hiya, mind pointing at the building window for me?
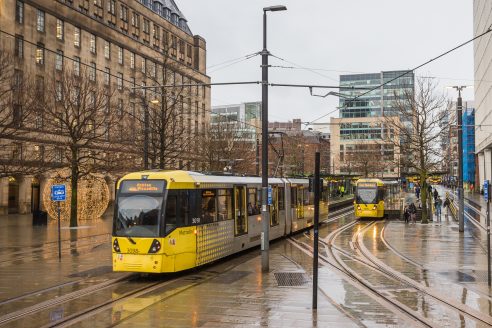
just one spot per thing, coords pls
(59, 29)
(120, 107)
(112, 7)
(107, 72)
(39, 20)
(143, 65)
(132, 60)
(124, 13)
(76, 66)
(59, 60)
(19, 46)
(146, 26)
(76, 37)
(19, 12)
(135, 20)
(92, 72)
(107, 49)
(40, 54)
(93, 43)
(120, 55)
(119, 81)
(58, 91)
(152, 69)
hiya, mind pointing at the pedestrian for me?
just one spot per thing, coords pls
(417, 192)
(436, 194)
(446, 205)
(342, 190)
(437, 206)
(406, 214)
(413, 212)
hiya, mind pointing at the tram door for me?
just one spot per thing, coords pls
(274, 207)
(300, 202)
(240, 211)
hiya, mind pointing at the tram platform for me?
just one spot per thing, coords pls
(242, 296)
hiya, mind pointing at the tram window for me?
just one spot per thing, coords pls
(224, 202)
(209, 212)
(293, 197)
(281, 198)
(138, 216)
(253, 207)
(171, 212)
(307, 197)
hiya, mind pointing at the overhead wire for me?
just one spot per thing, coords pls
(124, 80)
(231, 60)
(410, 70)
(235, 62)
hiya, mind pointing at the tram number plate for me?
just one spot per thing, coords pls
(132, 250)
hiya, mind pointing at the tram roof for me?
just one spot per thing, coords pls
(179, 179)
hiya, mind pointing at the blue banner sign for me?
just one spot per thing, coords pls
(486, 190)
(58, 193)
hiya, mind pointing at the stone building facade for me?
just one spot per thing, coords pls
(123, 44)
(482, 19)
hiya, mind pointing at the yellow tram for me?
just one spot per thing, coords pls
(375, 198)
(169, 221)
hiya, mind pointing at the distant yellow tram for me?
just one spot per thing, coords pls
(375, 198)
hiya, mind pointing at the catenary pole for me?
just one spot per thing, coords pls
(461, 196)
(265, 208)
(317, 191)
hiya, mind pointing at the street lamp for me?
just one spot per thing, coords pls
(461, 196)
(265, 213)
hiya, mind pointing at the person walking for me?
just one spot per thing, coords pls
(417, 192)
(406, 214)
(437, 205)
(446, 205)
(342, 191)
(413, 212)
(436, 194)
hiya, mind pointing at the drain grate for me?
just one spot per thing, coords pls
(290, 279)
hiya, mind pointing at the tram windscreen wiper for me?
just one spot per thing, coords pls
(131, 240)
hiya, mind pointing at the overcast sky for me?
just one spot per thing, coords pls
(334, 37)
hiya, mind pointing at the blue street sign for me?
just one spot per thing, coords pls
(486, 189)
(269, 200)
(58, 193)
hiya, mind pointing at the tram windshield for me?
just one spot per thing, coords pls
(138, 216)
(366, 195)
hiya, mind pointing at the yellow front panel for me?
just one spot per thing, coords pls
(177, 253)
(368, 211)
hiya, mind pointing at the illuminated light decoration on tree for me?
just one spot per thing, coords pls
(93, 198)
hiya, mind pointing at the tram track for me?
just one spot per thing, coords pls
(340, 259)
(27, 309)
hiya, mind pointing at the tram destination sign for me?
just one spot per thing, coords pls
(58, 193)
(142, 186)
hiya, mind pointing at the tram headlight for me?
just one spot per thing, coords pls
(116, 246)
(155, 247)
(359, 208)
(374, 207)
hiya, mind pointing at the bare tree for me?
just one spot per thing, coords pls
(18, 109)
(167, 124)
(81, 115)
(228, 144)
(365, 159)
(419, 130)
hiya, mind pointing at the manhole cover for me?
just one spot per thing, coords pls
(289, 279)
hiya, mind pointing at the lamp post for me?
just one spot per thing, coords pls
(265, 213)
(461, 196)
